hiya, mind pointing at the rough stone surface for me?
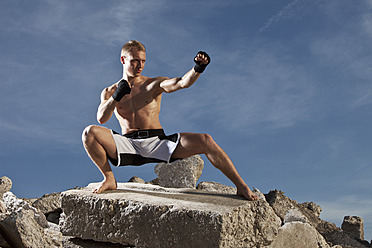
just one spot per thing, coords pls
(71, 242)
(154, 181)
(216, 187)
(145, 215)
(299, 234)
(334, 235)
(20, 229)
(346, 241)
(136, 180)
(2, 207)
(182, 173)
(5, 185)
(260, 195)
(50, 206)
(354, 226)
(280, 203)
(26, 226)
(3, 243)
(295, 215)
(48, 203)
(14, 205)
(316, 209)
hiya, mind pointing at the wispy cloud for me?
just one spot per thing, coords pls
(57, 97)
(346, 53)
(264, 90)
(289, 11)
(109, 24)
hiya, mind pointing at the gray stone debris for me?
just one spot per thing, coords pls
(15, 205)
(140, 214)
(223, 189)
(294, 214)
(2, 207)
(48, 203)
(298, 234)
(3, 243)
(154, 181)
(5, 185)
(182, 173)
(334, 235)
(71, 242)
(136, 180)
(354, 226)
(316, 209)
(24, 225)
(216, 187)
(50, 206)
(22, 230)
(147, 215)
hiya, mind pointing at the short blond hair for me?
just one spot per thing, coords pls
(132, 44)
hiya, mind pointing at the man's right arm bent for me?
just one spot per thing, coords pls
(107, 105)
(110, 97)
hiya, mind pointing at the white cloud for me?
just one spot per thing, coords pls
(269, 95)
(344, 48)
(367, 23)
(346, 54)
(289, 11)
(265, 90)
(108, 23)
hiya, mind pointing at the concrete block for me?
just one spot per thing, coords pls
(145, 215)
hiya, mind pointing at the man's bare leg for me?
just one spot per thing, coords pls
(193, 143)
(98, 142)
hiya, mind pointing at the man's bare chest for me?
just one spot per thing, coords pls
(141, 99)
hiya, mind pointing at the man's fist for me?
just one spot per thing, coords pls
(122, 90)
(201, 60)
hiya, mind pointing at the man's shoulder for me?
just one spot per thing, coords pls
(109, 90)
(111, 87)
(154, 84)
(155, 79)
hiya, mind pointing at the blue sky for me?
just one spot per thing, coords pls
(288, 94)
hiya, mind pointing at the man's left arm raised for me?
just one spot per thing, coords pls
(170, 85)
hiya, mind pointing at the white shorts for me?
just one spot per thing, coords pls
(144, 146)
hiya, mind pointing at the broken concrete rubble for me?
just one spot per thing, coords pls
(153, 216)
(299, 234)
(217, 187)
(24, 225)
(50, 206)
(334, 235)
(5, 185)
(354, 226)
(288, 235)
(183, 173)
(143, 215)
(20, 229)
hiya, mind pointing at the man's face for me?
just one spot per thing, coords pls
(134, 62)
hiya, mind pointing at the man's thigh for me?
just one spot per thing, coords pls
(105, 139)
(190, 144)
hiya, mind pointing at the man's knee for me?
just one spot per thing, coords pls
(89, 133)
(207, 140)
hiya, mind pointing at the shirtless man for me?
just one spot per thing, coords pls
(135, 101)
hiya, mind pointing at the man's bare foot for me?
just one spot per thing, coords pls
(106, 184)
(247, 193)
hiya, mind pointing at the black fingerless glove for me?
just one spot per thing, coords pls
(122, 90)
(199, 67)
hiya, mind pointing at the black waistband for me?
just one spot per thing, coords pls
(145, 133)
